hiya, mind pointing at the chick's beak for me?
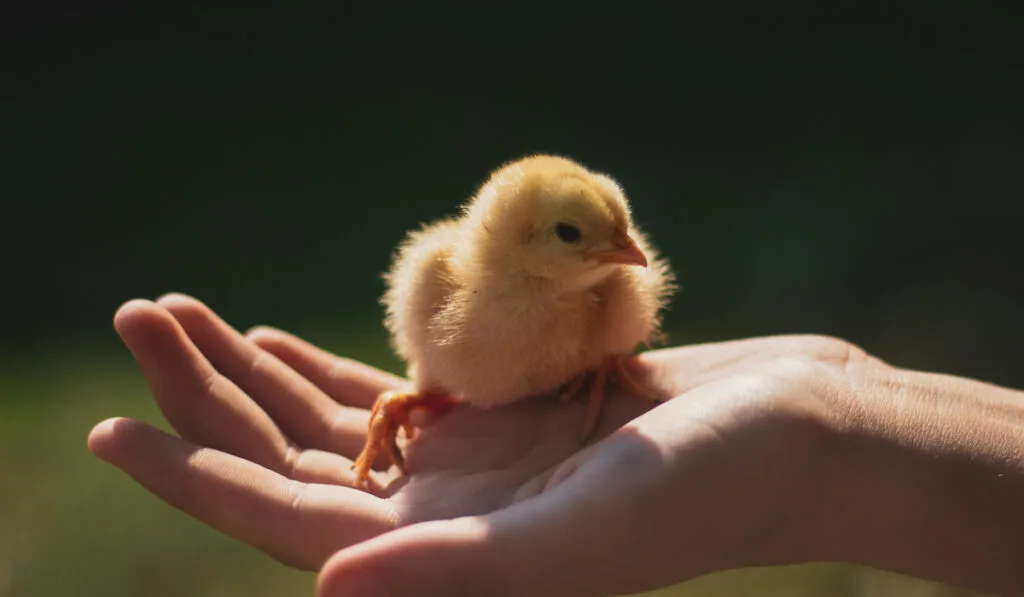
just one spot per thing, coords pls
(625, 252)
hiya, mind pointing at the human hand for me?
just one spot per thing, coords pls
(265, 451)
(509, 503)
(774, 451)
(728, 474)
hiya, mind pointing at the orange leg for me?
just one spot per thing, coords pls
(391, 412)
(596, 401)
(597, 391)
(631, 385)
(572, 388)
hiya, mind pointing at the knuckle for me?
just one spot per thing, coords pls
(833, 350)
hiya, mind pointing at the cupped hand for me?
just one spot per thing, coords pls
(497, 502)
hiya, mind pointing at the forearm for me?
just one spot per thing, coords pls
(930, 481)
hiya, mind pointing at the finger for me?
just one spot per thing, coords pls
(680, 369)
(317, 466)
(542, 554)
(297, 523)
(302, 410)
(547, 546)
(429, 559)
(347, 381)
(201, 405)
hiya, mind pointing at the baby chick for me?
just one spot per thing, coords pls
(541, 280)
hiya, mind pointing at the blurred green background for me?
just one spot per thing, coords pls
(838, 168)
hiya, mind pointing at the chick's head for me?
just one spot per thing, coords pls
(553, 218)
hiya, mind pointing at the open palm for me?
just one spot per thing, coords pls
(269, 425)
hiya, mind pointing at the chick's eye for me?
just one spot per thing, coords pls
(567, 232)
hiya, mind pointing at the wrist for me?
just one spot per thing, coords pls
(928, 472)
(782, 470)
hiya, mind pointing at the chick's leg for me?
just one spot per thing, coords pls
(381, 434)
(595, 404)
(572, 388)
(596, 401)
(391, 412)
(630, 384)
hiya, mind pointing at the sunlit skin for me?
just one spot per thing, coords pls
(542, 282)
(777, 450)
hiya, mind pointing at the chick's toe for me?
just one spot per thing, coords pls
(390, 412)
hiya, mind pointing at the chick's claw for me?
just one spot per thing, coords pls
(390, 412)
(382, 433)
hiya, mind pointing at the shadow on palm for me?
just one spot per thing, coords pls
(471, 461)
(268, 426)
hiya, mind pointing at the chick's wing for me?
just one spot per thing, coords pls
(419, 284)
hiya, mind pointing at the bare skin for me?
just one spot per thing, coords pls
(774, 451)
(392, 409)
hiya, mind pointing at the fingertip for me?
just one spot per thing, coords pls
(278, 343)
(182, 305)
(338, 579)
(192, 313)
(176, 298)
(139, 322)
(130, 312)
(103, 436)
(264, 333)
(424, 559)
(99, 436)
(327, 576)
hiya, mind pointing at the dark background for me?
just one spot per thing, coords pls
(843, 168)
(846, 168)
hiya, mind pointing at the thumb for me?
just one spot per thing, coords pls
(578, 537)
(545, 545)
(450, 558)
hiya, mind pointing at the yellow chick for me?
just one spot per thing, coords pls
(541, 280)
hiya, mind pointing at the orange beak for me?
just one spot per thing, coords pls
(625, 252)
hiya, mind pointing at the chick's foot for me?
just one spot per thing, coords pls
(596, 401)
(627, 382)
(390, 412)
(572, 388)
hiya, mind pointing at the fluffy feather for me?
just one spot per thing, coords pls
(493, 306)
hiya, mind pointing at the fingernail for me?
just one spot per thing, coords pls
(174, 296)
(260, 329)
(360, 586)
